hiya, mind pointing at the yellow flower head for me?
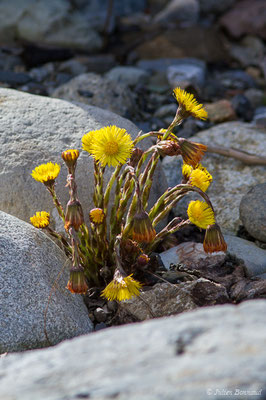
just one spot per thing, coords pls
(46, 173)
(200, 179)
(70, 155)
(87, 140)
(41, 219)
(162, 131)
(121, 287)
(200, 214)
(186, 171)
(97, 215)
(111, 146)
(188, 105)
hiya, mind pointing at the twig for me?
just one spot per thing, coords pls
(245, 157)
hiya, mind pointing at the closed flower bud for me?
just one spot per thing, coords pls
(214, 240)
(70, 157)
(168, 148)
(77, 281)
(142, 230)
(143, 260)
(74, 215)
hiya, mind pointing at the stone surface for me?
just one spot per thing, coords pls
(231, 178)
(214, 6)
(253, 256)
(184, 12)
(98, 91)
(191, 356)
(253, 212)
(191, 71)
(30, 264)
(260, 117)
(129, 76)
(35, 130)
(248, 52)
(246, 18)
(220, 111)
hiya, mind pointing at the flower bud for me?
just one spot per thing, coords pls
(214, 240)
(77, 281)
(70, 157)
(74, 215)
(168, 148)
(142, 230)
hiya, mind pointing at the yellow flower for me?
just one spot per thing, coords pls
(214, 240)
(87, 140)
(188, 105)
(186, 171)
(200, 214)
(112, 146)
(172, 136)
(97, 215)
(200, 179)
(121, 287)
(46, 173)
(41, 219)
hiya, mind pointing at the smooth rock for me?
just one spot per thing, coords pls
(166, 110)
(214, 6)
(231, 178)
(184, 12)
(192, 71)
(129, 76)
(255, 97)
(35, 130)
(98, 91)
(30, 264)
(260, 117)
(242, 107)
(14, 78)
(249, 52)
(253, 212)
(220, 111)
(189, 356)
(235, 79)
(246, 18)
(253, 256)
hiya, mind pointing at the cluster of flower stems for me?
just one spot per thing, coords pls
(115, 245)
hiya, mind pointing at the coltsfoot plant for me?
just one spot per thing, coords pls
(115, 246)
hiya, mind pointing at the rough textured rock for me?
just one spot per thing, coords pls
(190, 356)
(188, 70)
(220, 111)
(231, 178)
(253, 212)
(127, 75)
(30, 263)
(97, 91)
(185, 12)
(246, 18)
(38, 133)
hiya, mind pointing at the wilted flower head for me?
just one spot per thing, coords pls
(77, 281)
(74, 215)
(142, 230)
(191, 152)
(168, 148)
(111, 146)
(143, 260)
(200, 214)
(97, 215)
(214, 240)
(46, 173)
(188, 105)
(122, 287)
(41, 219)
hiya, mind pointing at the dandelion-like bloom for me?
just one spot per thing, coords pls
(191, 152)
(214, 240)
(121, 287)
(97, 215)
(186, 171)
(142, 230)
(200, 214)
(77, 282)
(112, 146)
(188, 105)
(46, 173)
(171, 136)
(41, 219)
(87, 140)
(200, 179)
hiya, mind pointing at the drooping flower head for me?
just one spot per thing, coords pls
(200, 179)
(191, 152)
(77, 281)
(111, 146)
(188, 105)
(214, 240)
(200, 214)
(41, 219)
(142, 230)
(46, 173)
(97, 215)
(74, 215)
(122, 287)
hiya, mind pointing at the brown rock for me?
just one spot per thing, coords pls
(220, 111)
(246, 17)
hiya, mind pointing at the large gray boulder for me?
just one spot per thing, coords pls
(29, 283)
(35, 130)
(197, 355)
